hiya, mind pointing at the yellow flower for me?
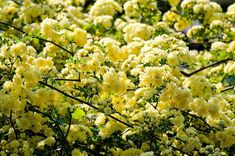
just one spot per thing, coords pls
(131, 9)
(196, 32)
(219, 46)
(134, 47)
(23, 123)
(100, 120)
(78, 132)
(145, 146)
(112, 126)
(152, 76)
(80, 37)
(18, 49)
(105, 7)
(49, 141)
(181, 24)
(199, 86)
(114, 82)
(173, 3)
(31, 76)
(137, 30)
(9, 103)
(175, 96)
(119, 24)
(226, 137)
(118, 103)
(41, 145)
(170, 17)
(105, 21)
(114, 53)
(47, 28)
(44, 65)
(132, 152)
(77, 152)
(231, 12)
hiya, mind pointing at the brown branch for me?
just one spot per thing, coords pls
(70, 121)
(70, 96)
(228, 88)
(84, 102)
(202, 68)
(31, 133)
(195, 116)
(13, 126)
(37, 37)
(175, 148)
(181, 151)
(18, 3)
(67, 79)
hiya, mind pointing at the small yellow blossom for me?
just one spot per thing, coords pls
(80, 37)
(105, 7)
(137, 30)
(131, 152)
(77, 152)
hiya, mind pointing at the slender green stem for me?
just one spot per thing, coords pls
(202, 68)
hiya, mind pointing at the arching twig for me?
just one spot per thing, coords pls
(228, 88)
(84, 102)
(37, 37)
(202, 68)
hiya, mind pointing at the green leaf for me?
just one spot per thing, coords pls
(78, 114)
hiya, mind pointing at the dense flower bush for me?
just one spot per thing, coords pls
(116, 77)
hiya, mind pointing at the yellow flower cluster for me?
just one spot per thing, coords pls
(137, 30)
(78, 132)
(153, 76)
(116, 77)
(174, 96)
(204, 10)
(105, 7)
(114, 82)
(226, 137)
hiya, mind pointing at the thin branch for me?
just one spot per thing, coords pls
(89, 150)
(195, 116)
(202, 68)
(42, 39)
(228, 88)
(67, 79)
(70, 121)
(70, 96)
(32, 133)
(181, 151)
(37, 37)
(6, 24)
(177, 149)
(13, 126)
(18, 3)
(50, 117)
(84, 102)
(124, 123)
